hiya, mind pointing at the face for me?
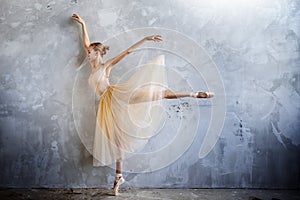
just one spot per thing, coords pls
(92, 54)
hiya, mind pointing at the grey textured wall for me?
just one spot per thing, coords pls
(253, 44)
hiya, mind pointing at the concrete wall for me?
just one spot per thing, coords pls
(249, 55)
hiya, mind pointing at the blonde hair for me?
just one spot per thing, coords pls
(97, 46)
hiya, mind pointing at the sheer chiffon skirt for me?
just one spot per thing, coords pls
(129, 114)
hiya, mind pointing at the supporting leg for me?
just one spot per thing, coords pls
(119, 166)
(118, 178)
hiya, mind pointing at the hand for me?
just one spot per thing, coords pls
(155, 38)
(78, 18)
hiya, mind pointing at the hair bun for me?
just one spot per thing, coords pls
(105, 49)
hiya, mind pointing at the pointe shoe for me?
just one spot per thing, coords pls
(118, 181)
(204, 94)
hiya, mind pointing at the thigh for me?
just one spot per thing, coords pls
(145, 93)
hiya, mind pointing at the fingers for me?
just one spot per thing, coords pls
(156, 38)
(76, 17)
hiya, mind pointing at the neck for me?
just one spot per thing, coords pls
(97, 62)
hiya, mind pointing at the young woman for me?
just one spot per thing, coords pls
(124, 123)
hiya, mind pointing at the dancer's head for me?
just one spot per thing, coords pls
(97, 46)
(96, 49)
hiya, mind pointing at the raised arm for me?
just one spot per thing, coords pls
(85, 36)
(118, 58)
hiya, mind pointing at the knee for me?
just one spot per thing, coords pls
(167, 94)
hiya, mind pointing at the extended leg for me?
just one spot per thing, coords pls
(168, 94)
(145, 95)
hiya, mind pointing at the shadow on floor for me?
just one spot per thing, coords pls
(145, 194)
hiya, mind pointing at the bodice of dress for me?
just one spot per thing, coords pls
(99, 81)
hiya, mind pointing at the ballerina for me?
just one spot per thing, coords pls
(122, 107)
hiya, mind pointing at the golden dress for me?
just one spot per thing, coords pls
(129, 113)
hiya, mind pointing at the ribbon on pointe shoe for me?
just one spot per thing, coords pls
(118, 181)
(202, 94)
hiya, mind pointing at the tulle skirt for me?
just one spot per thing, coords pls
(129, 114)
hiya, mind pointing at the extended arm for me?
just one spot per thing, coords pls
(122, 55)
(85, 36)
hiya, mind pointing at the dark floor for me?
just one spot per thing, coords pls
(134, 194)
